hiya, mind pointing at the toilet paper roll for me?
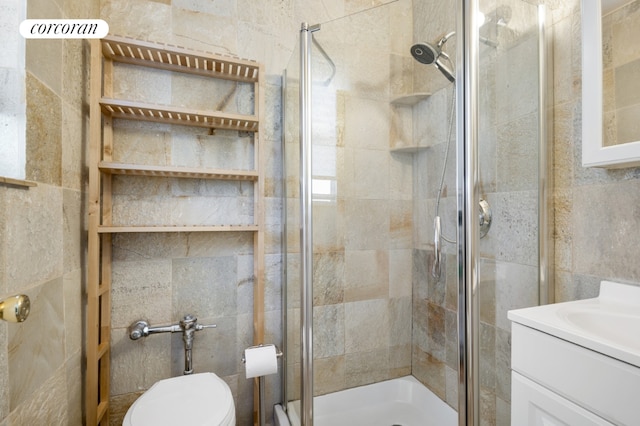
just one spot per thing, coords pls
(260, 361)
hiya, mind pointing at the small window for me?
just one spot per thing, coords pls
(12, 86)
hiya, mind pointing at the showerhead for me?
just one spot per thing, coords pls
(425, 53)
(428, 54)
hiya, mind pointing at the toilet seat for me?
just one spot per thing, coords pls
(202, 399)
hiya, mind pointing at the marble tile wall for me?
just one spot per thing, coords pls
(47, 223)
(42, 234)
(586, 253)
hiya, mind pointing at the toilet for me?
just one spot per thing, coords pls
(202, 399)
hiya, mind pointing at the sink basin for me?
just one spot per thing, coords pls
(615, 327)
(609, 323)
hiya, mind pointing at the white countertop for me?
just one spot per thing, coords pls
(609, 323)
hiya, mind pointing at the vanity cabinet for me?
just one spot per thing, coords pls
(577, 363)
(554, 382)
(104, 220)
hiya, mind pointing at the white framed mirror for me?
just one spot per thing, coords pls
(610, 83)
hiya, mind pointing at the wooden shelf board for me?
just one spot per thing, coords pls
(174, 58)
(177, 228)
(177, 172)
(132, 110)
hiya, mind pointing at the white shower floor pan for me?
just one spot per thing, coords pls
(403, 402)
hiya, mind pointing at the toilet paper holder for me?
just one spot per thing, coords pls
(278, 351)
(261, 387)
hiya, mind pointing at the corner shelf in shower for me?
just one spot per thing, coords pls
(410, 99)
(103, 110)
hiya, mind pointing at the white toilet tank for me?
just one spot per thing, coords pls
(197, 400)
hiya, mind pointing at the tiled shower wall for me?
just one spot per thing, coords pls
(42, 239)
(585, 251)
(363, 231)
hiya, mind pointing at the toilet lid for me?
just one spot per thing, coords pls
(196, 400)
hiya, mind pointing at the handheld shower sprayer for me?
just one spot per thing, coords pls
(428, 54)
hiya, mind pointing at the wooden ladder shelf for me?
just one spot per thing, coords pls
(103, 110)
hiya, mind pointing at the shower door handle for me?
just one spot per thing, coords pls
(437, 248)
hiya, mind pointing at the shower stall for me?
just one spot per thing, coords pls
(416, 214)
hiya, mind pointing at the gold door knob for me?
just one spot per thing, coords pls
(15, 308)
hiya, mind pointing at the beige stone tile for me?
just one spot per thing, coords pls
(627, 129)
(140, 290)
(204, 287)
(400, 323)
(451, 338)
(137, 364)
(74, 244)
(487, 407)
(329, 375)
(328, 278)
(367, 123)
(361, 216)
(74, 148)
(204, 31)
(34, 231)
(436, 332)
(36, 347)
(517, 146)
(329, 331)
(366, 326)
(44, 133)
(73, 311)
(503, 364)
(400, 273)
(487, 370)
(363, 368)
(565, 129)
(624, 31)
(366, 274)
(44, 59)
(606, 250)
(46, 404)
(451, 383)
(401, 224)
(515, 288)
(430, 372)
(74, 387)
(119, 405)
(516, 81)
(4, 369)
(76, 54)
(147, 20)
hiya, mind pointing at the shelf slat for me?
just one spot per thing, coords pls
(173, 58)
(132, 110)
(177, 172)
(177, 228)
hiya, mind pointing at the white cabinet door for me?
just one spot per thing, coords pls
(534, 405)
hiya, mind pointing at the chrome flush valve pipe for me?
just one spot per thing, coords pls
(187, 325)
